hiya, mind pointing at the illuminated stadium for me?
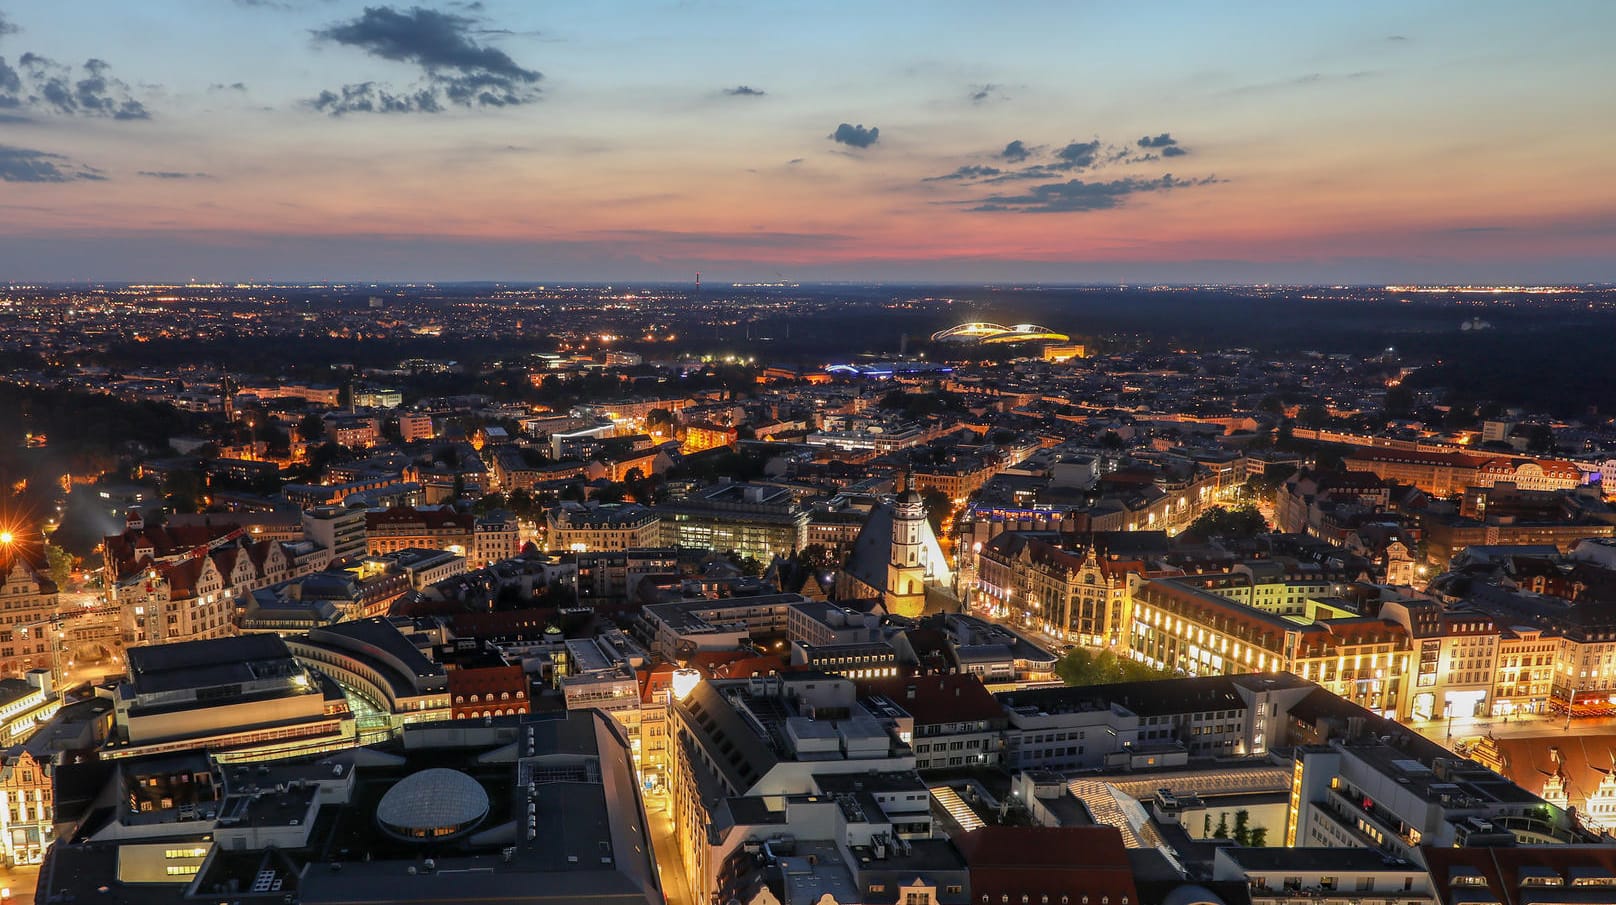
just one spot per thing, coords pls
(985, 334)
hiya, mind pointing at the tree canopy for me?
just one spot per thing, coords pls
(1240, 522)
(1082, 666)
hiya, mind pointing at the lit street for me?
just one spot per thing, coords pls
(1515, 727)
(20, 880)
(675, 886)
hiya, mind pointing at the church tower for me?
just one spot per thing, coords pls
(906, 568)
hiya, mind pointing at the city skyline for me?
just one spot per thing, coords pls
(1063, 143)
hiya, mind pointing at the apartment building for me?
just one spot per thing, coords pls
(590, 527)
(28, 603)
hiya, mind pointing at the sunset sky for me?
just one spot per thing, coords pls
(938, 141)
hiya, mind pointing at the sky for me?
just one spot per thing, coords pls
(938, 141)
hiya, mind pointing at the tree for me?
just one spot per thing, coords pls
(1399, 402)
(182, 491)
(61, 565)
(310, 427)
(813, 558)
(1222, 832)
(520, 501)
(1258, 837)
(1206, 825)
(559, 594)
(1540, 438)
(660, 421)
(1240, 522)
(1242, 827)
(1082, 666)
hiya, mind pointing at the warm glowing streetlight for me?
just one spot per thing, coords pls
(6, 537)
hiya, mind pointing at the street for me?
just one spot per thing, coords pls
(1466, 728)
(20, 880)
(670, 863)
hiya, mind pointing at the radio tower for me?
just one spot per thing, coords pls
(698, 281)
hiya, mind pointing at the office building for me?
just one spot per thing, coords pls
(242, 698)
(337, 529)
(750, 519)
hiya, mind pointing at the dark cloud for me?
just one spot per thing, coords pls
(1079, 155)
(10, 85)
(855, 136)
(171, 174)
(745, 91)
(233, 86)
(1077, 195)
(7, 27)
(980, 93)
(28, 165)
(970, 171)
(457, 70)
(367, 97)
(1036, 164)
(42, 84)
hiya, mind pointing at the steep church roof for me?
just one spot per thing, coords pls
(872, 550)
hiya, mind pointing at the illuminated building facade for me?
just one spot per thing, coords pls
(482, 541)
(180, 583)
(1195, 632)
(26, 817)
(1070, 594)
(30, 601)
(751, 519)
(588, 527)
